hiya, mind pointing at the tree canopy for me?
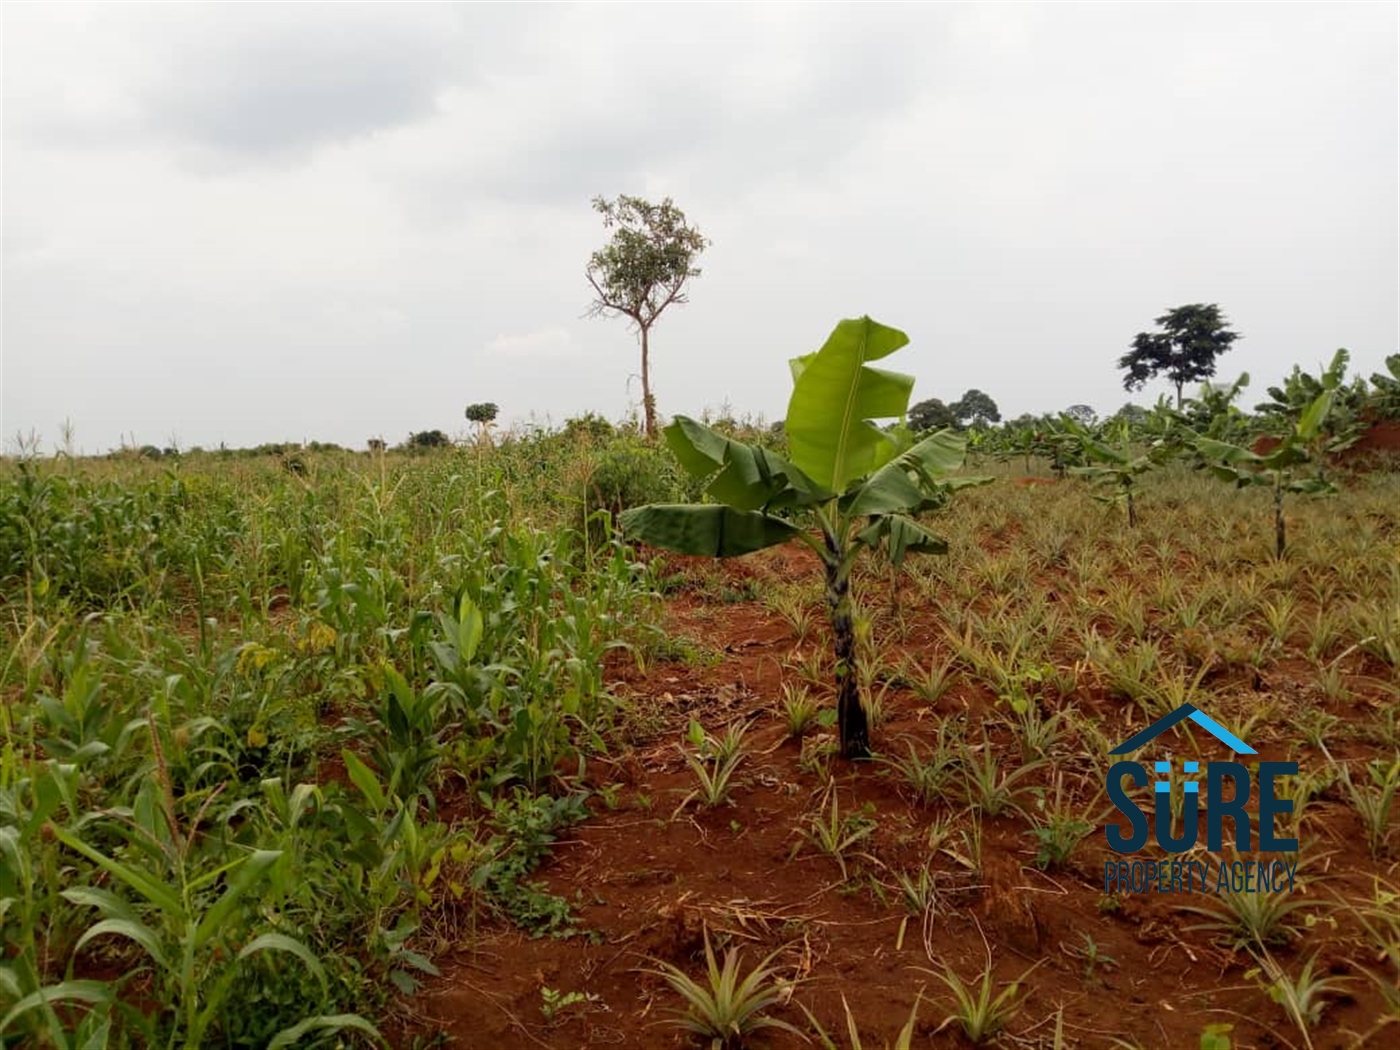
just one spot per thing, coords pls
(1184, 350)
(975, 409)
(931, 414)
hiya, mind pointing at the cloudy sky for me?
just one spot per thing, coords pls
(258, 222)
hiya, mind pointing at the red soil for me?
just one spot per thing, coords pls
(647, 885)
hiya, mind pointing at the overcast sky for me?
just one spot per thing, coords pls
(260, 222)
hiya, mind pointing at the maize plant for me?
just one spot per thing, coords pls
(850, 485)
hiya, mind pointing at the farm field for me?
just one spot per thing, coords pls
(585, 526)
(331, 749)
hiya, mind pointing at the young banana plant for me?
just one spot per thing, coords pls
(848, 486)
(1278, 468)
(1114, 464)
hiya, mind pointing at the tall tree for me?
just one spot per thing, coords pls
(932, 414)
(976, 409)
(1184, 351)
(644, 269)
(483, 414)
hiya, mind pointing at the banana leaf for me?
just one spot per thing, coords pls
(745, 477)
(905, 484)
(704, 529)
(835, 397)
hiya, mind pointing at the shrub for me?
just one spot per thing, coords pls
(630, 473)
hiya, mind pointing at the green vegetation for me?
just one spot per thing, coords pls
(861, 486)
(727, 1007)
(284, 731)
(244, 704)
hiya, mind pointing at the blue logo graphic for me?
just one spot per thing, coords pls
(1219, 807)
(1196, 715)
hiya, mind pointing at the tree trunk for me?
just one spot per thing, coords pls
(1132, 511)
(850, 713)
(1280, 533)
(648, 402)
(1178, 394)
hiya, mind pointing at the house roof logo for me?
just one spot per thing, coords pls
(1196, 715)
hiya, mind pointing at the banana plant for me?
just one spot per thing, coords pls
(1385, 393)
(1300, 389)
(1280, 467)
(1018, 441)
(1213, 411)
(849, 486)
(1115, 464)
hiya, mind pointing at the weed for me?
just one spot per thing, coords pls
(527, 827)
(554, 1002)
(1058, 830)
(1109, 904)
(1092, 956)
